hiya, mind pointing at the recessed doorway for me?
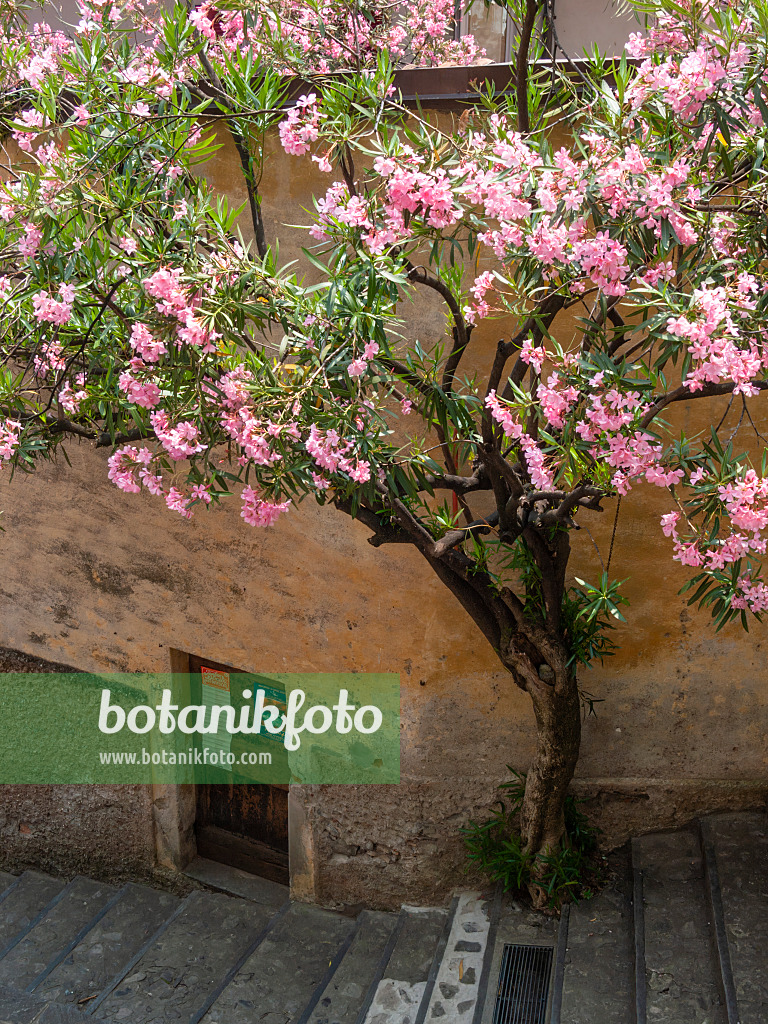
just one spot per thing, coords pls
(239, 823)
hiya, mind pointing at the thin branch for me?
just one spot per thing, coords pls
(684, 394)
(246, 160)
(521, 65)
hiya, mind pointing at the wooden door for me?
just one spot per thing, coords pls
(238, 822)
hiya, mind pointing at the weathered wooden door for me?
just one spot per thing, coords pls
(238, 822)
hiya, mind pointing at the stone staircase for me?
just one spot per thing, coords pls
(681, 937)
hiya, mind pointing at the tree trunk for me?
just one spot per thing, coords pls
(558, 726)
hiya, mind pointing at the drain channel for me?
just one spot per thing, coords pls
(523, 988)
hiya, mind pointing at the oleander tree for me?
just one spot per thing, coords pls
(625, 268)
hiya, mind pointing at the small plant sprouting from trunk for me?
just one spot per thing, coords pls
(569, 872)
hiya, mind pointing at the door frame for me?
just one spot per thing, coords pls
(174, 809)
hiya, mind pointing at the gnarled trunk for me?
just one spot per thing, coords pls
(558, 727)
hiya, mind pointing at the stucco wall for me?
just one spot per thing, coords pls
(103, 580)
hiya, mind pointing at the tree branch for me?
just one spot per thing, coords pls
(683, 394)
(246, 160)
(461, 484)
(454, 537)
(521, 65)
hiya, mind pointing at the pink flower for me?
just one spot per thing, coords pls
(122, 469)
(357, 367)
(176, 501)
(323, 164)
(360, 472)
(200, 492)
(669, 523)
(181, 441)
(69, 400)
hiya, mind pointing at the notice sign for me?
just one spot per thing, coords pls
(215, 691)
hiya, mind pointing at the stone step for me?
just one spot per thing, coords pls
(344, 995)
(107, 947)
(740, 843)
(681, 969)
(289, 967)
(21, 903)
(237, 883)
(453, 993)
(598, 983)
(184, 963)
(6, 879)
(400, 992)
(17, 1007)
(70, 910)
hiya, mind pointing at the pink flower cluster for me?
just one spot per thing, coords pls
(165, 285)
(719, 347)
(145, 346)
(49, 310)
(50, 359)
(333, 35)
(145, 393)
(332, 453)
(9, 438)
(745, 500)
(130, 467)
(70, 400)
(181, 441)
(301, 126)
(257, 511)
(358, 366)
(503, 416)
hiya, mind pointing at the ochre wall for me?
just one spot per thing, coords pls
(98, 579)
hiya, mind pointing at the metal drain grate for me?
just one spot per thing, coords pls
(523, 988)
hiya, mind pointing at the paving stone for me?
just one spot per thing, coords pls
(681, 967)
(345, 994)
(397, 1002)
(278, 981)
(741, 848)
(82, 899)
(6, 879)
(456, 989)
(109, 945)
(24, 902)
(186, 962)
(599, 968)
